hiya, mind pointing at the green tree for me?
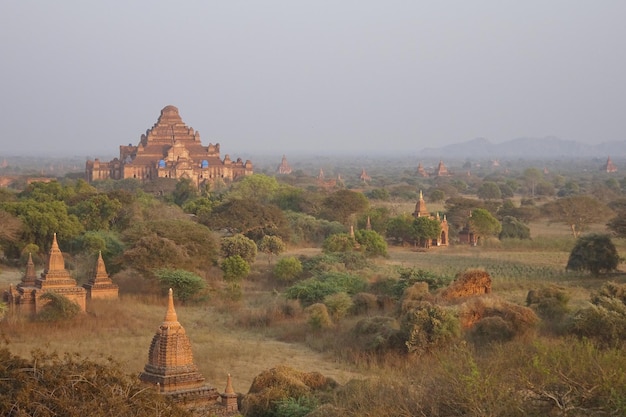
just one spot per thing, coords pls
(42, 219)
(400, 228)
(184, 191)
(595, 253)
(338, 242)
(531, 177)
(577, 212)
(239, 245)
(489, 190)
(235, 269)
(256, 187)
(271, 246)
(424, 230)
(249, 217)
(171, 243)
(436, 195)
(342, 204)
(288, 269)
(97, 212)
(512, 228)
(428, 327)
(483, 224)
(184, 284)
(371, 243)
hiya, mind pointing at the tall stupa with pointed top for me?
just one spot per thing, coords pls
(172, 370)
(54, 278)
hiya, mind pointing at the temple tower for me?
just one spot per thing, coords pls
(100, 285)
(172, 371)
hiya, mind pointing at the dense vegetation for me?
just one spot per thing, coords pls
(543, 339)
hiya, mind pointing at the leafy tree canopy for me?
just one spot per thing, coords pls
(184, 284)
(371, 243)
(577, 212)
(239, 245)
(484, 224)
(342, 204)
(595, 253)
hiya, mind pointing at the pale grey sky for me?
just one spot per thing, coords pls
(310, 76)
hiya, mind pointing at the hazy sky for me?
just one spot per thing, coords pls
(316, 76)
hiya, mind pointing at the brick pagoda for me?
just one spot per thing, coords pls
(100, 285)
(171, 368)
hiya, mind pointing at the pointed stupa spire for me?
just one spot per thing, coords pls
(421, 195)
(229, 386)
(29, 278)
(352, 231)
(170, 315)
(100, 267)
(368, 226)
(55, 258)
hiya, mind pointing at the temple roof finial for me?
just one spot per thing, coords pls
(170, 315)
(229, 386)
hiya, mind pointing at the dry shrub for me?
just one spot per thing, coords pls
(338, 304)
(550, 302)
(133, 282)
(468, 283)
(512, 320)
(318, 316)
(414, 295)
(280, 383)
(278, 311)
(364, 303)
(377, 334)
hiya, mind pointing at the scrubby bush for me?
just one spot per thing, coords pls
(283, 384)
(428, 327)
(520, 321)
(339, 242)
(49, 385)
(313, 290)
(550, 303)
(605, 320)
(378, 334)
(58, 307)
(184, 284)
(409, 276)
(338, 304)
(371, 243)
(239, 245)
(513, 228)
(295, 407)
(318, 316)
(287, 269)
(363, 303)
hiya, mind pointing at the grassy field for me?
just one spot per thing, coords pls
(123, 330)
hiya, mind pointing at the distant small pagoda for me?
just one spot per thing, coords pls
(284, 168)
(364, 177)
(610, 167)
(421, 171)
(441, 170)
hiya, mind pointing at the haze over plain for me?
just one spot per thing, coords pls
(82, 78)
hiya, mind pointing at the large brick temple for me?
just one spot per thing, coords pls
(170, 149)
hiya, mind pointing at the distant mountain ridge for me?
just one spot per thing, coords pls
(535, 148)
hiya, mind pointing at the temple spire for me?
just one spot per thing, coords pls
(170, 315)
(229, 386)
(55, 258)
(100, 267)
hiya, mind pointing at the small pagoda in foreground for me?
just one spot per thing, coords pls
(171, 370)
(26, 297)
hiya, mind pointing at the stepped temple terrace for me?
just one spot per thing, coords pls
(171, 369)
(170, 149)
